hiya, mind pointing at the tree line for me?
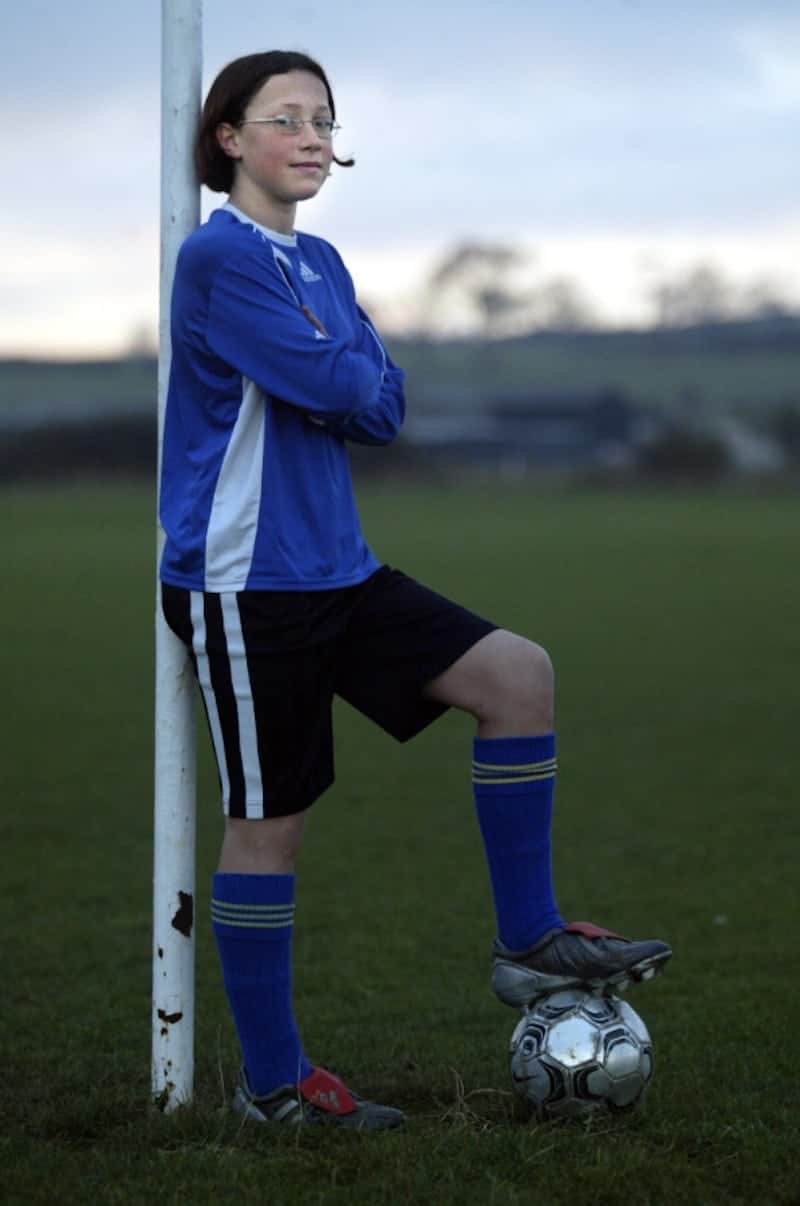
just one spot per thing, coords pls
(491, 289)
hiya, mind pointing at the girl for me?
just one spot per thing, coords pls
(268, 580)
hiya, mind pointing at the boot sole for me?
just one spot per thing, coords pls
(520, 986)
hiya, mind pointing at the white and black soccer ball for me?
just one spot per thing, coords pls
(574, 1051)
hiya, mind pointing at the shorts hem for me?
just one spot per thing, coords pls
(272, 810)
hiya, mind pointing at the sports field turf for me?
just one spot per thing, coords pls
(673, 624)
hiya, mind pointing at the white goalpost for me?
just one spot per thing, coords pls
(172, 1065)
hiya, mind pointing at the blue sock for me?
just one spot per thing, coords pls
(513, 780)
(253, 917)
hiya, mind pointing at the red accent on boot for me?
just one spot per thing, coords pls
(327, 1092)
(590, 930)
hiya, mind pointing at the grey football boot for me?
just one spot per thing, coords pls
(580, 955)
(320, 1099)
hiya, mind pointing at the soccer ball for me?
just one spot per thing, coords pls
(574, 1051)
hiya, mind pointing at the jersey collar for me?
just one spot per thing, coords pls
(276, 237)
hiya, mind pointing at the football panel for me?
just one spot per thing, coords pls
(634, 1022)
(528, 1034)
(572, 1042)
(622, 1055)
(626, 1092)
(543, 1084)
(592, 1084)
(600, 1010)
(646, 1066)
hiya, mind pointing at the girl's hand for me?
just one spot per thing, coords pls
(315, 322)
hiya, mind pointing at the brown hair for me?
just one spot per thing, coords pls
(227, 99)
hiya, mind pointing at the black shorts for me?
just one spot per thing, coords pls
(270, 662)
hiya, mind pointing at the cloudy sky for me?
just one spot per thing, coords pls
(618, 142)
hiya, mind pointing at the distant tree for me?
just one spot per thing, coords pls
(481, 280)
(762, 299)
(480, 276)
(495, 305)
(471, 263)
(701, 295)
(558, 305)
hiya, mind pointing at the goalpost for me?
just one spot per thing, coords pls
(172, 1064)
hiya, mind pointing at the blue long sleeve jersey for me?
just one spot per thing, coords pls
(256, 491)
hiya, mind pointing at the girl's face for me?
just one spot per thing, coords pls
(275, 167)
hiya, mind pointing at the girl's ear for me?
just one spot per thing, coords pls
(228, 139)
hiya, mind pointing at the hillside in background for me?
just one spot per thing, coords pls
(740, 366)
(670, 403)
(735, 366)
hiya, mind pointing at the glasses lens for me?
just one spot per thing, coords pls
(323, 127)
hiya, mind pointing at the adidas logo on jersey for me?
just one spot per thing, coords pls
(308, 274)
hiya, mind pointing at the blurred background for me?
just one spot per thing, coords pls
(577, 225)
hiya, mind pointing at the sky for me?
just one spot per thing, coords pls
(617, 143)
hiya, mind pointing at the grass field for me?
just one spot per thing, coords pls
(673, 624)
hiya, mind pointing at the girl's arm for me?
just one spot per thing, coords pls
(256, 325)
(379, 423)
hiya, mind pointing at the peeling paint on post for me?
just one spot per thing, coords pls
(163, 1099)
(183, 921)
(170, 1019)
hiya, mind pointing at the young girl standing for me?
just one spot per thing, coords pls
(268, 580)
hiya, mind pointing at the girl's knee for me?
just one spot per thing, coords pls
(515, 695)
(523, 670)
(505, 681)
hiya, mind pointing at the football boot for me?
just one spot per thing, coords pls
(580, 955)
(320, 1099)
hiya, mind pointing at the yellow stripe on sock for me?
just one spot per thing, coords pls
(515, 779)
(239, 924)
(549, 763)
(266, 916)
(268, 923)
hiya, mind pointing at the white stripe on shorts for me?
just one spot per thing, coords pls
(248, 735)
(204, 679)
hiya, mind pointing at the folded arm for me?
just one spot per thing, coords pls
(380, 422)
(256, 325)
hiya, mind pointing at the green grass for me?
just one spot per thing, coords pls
(672, 621)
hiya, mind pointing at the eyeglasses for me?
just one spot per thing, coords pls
(323, 127)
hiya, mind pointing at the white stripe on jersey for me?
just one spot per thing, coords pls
(233, 522)
(285, 269)
(204, 679)
(248, 736)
